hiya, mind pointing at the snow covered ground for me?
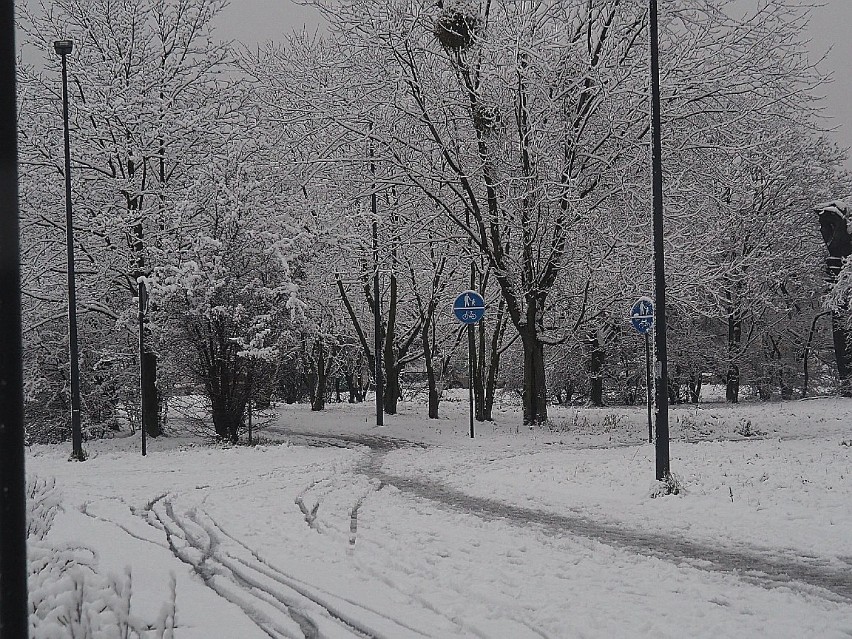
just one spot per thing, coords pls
(770, 481)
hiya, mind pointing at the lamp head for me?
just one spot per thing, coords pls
(63, 47)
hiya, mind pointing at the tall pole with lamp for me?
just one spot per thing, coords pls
(64, 48)
(661, 375)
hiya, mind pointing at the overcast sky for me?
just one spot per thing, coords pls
(252, 21)
(260, 20)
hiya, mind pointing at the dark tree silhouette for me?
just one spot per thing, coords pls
(835, 232)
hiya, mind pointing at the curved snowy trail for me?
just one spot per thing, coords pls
(765, 567)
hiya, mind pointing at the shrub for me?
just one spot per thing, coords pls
(68, 597)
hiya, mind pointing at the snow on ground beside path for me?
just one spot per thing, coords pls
(421, 570)
(788, 488)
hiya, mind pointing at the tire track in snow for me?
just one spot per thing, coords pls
(765, 567)
(261, 590)
(196, 549)
(371, 546)
(333, 604)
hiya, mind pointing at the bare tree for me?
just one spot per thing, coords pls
(145, 97)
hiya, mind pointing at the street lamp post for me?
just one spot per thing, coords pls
(661, 369)
(63, 48)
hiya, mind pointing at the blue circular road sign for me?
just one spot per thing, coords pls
(469, 307)
(642, 315)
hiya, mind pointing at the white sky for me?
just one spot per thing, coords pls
(252, 21)
(260, 20)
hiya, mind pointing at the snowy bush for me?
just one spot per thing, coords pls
(42, 504)
(746, 429)
(839, 298)
(226, 301)
(694, 426)
(68, 597)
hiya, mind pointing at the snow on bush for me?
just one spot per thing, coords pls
(68, 597)
(42, 504)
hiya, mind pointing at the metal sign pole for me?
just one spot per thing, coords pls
(642, 318)
(470, 346)
(469, 307)
(648, 396)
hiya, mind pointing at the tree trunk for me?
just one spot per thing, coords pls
(355, 394)
(263, 382)
(835, 233)
(779, 374)
(732, 381)
(842, 353)
(320, 379)
(392, 388)
(806, 352)
(318, 396)
(732, 384)
(491, 381)
(479, 373)
(474, 372)
(431, 381)
(350, 384)
(596, 363)
(226, 421)
(434, 400)
(494, 360)
(674, 385)
(220, 422)
(535, 384)
(695, 387)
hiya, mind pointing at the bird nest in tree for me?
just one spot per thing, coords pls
(456, 29)
(487, 119)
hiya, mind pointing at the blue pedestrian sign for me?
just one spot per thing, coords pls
(469, 307)
(642, 315)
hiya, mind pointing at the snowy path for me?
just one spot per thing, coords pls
(512, 535)
(766, 567)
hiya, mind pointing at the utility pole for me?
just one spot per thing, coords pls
(377, 298)
(64, 48)
(14, 610)
(661, 368)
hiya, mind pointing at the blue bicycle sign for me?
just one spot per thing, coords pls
(469, 307)
(642, 315)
